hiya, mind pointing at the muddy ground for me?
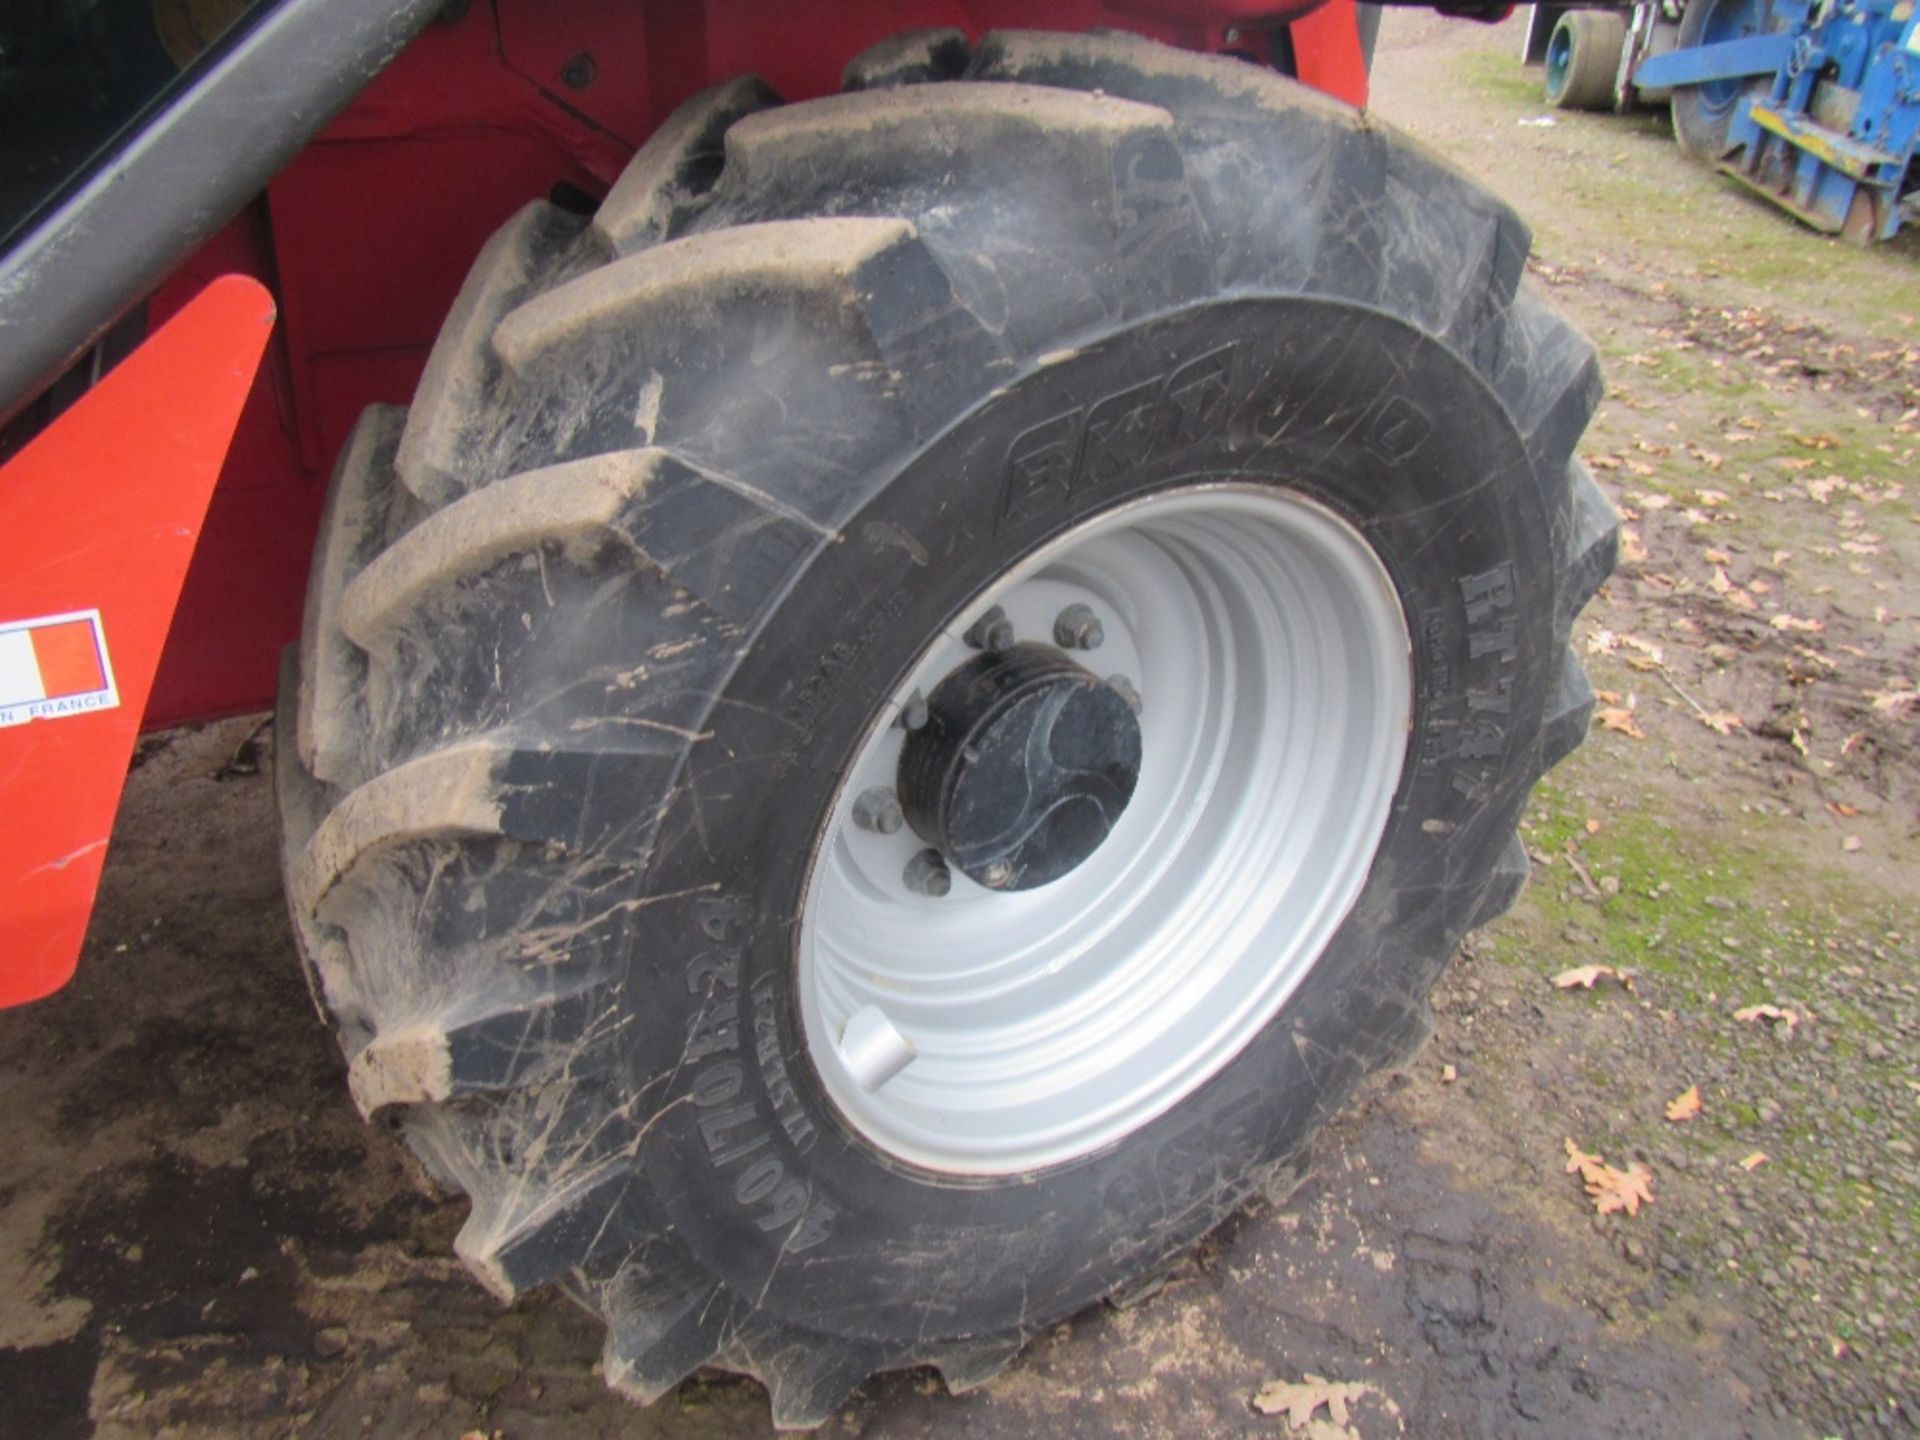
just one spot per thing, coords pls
(199, 1237)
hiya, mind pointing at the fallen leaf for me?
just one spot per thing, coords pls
(1850, 844)
(1716, 557)
(1583, 976)
(1448, 1074)
(1593, 827)
(1722, 722)
(1301, 1401)
(1626, 1190)
(1772, 1014)
(1620, 718)
(1579, 1162)
(1784, 621)
(1685, 1105)
(1608, 1188)
(1754, 1161)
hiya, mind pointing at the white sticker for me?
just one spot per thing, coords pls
(54, 667)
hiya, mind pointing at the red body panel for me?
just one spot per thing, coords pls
(103, 510)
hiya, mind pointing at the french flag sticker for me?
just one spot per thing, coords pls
(54, 667)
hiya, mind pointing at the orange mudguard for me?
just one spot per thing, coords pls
(99, 515)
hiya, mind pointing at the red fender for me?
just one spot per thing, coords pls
(103, 510)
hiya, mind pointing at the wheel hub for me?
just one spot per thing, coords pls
(1024, 766)
(1203, 844)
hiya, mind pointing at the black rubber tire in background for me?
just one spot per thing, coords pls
(1593, 41)
(1703, 114)
(594, 627)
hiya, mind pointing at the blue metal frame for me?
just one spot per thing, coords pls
(1730, 60)
(1833, 140)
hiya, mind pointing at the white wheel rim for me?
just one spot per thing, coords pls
(992, 1033)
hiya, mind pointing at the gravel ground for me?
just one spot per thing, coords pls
(198, 1236)
(1738, 831)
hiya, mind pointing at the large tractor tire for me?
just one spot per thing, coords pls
(1583, 59)
(1703, 114)
(913, 705)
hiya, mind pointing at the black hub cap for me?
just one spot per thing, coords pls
(1025, 764)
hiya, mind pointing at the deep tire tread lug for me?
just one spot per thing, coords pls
(670, 178)
(1504, 884)
(456, 393)
(1101, 196)
(553, 1039)
(329, 732)
(1589, 546)
(913, 57)
(1569, 708)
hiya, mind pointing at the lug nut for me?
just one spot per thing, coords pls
(993, 631)
(1123, 687)
(878, 810)
(927, 874)
(913, 714)
(1078, 628)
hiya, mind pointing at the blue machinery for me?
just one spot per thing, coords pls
(1828, 105)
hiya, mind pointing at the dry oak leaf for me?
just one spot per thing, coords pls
(1301, 1401)
(1608, 1188)
(1794, 622)
(1754, 1161)
(1769, 1013)
(1685, 1105)
(1619, 718)
(1585, 977)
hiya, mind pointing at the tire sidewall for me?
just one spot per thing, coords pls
(1343, 405)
